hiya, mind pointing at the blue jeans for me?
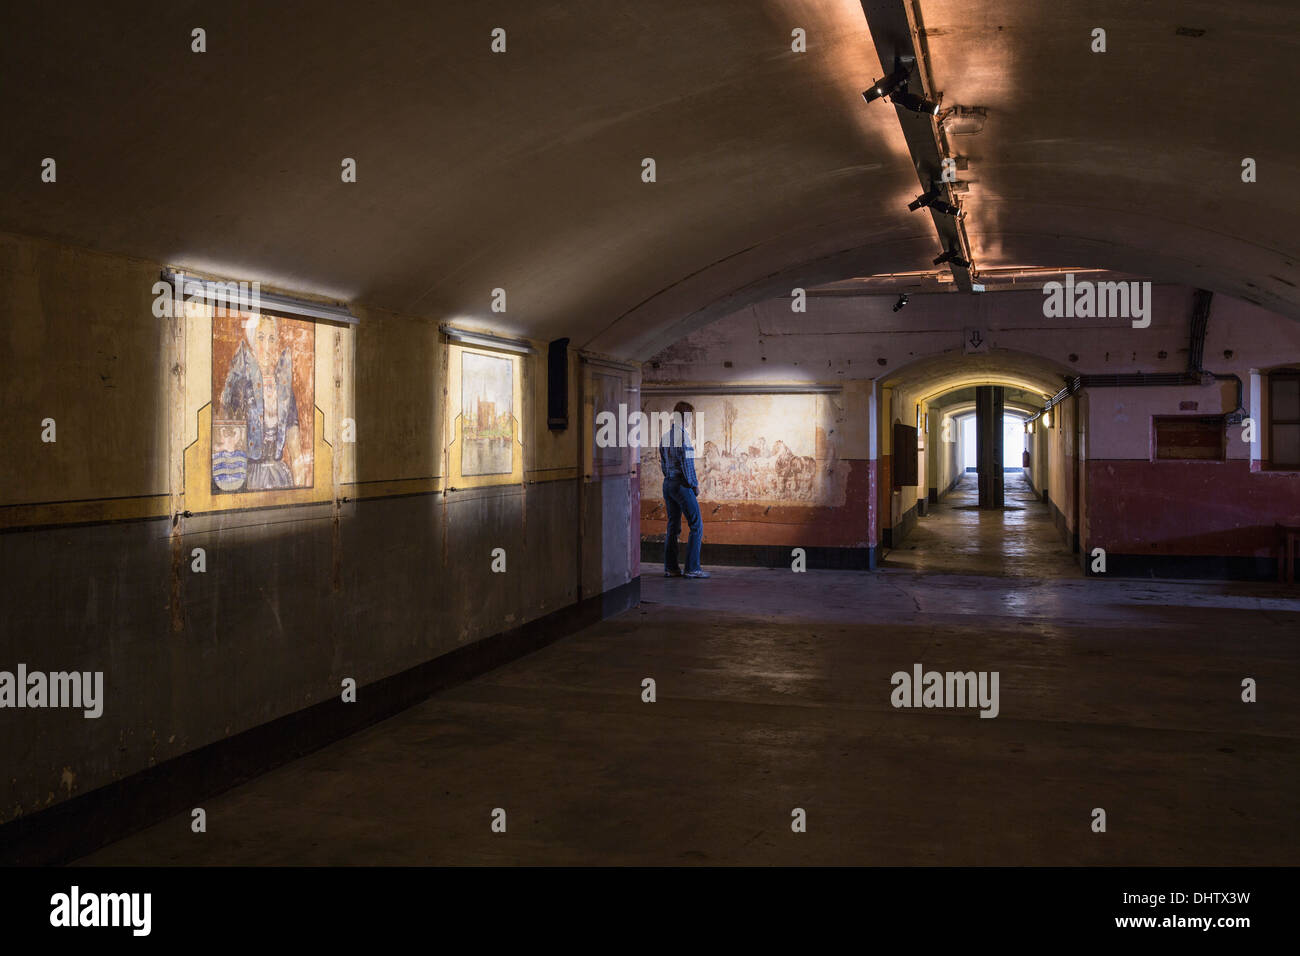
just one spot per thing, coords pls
(680, 500)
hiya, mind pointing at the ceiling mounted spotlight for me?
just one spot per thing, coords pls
(933, 200)
(890, 84)
(953, 256)
(915, 103)
(902, 301)
(922, 200)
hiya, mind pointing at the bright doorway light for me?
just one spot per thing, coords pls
(1013, 441)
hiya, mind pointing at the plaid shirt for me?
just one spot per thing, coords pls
(677, 457)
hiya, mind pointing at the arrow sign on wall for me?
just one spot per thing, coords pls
(974, 341)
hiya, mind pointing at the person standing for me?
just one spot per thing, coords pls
(681, 488)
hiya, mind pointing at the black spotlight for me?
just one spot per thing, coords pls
(953, 256)
(915, 102)
(889, 85)
(922, 200)
(932, 200)
(902, 301)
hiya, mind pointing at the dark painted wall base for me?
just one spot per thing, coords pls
(1195, 566)
(766, 556)
(83, 824)
(1210, 567)
(893, 537)
(1069, 537)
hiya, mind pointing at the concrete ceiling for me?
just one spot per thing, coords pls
(523, 170)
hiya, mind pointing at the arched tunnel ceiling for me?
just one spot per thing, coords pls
(929, 378)
(967, 410)
(523, 170)
(958, 401)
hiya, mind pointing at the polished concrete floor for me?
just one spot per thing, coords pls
(773, 693)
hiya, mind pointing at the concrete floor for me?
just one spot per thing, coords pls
(774, 693)
(957, 537)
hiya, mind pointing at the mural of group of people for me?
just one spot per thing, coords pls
(759, 472)
(737, 461)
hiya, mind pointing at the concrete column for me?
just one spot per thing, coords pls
(988, 445)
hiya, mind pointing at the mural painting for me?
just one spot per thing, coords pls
(487, 415)
(263, 400)
(766, 449)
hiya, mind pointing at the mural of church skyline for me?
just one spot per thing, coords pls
(487, 415)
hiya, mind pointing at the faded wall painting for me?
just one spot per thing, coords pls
(263, 403)
(487, 414)
(763, 449)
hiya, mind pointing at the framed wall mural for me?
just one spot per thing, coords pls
(253, 413)
(487, 421)
(485, 402)
(263, 390)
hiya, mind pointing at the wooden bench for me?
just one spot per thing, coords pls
(1288, 537)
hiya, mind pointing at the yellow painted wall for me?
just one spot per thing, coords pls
(79, 344)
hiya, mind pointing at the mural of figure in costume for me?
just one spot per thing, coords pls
(259, 416)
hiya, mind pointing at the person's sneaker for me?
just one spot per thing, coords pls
(697, 574)
(672, 574)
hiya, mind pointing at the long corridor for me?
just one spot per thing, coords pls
(957, 537)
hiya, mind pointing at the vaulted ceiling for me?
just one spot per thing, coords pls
(523, 170)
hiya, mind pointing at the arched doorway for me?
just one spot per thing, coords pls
(986, 459)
